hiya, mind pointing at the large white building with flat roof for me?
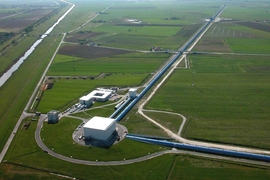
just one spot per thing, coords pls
(96, 95)
(99, 128)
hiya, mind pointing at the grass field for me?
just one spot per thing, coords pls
(243, 11)
(260, 46)
(122, 70)
(16, 91)
(236, 38)
(139, 30)
(156, 12)
(65, 93)
(170, 121)
(157, 28)
(65, 145)
(229, 102)
(135, 63)
(25, 160)
(144, 42)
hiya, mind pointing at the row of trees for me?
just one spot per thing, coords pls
(4, 36)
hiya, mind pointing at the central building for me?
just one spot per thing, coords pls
(99, 128)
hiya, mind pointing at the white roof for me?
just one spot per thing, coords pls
(99, 123)
(101, 94)
(85, 98)
(132, 89)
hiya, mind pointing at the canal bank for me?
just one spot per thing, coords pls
(15, 67)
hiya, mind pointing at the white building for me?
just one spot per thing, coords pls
(99, 128)
(96, 95)
(86, 100)
(132, 92)
(53, 116)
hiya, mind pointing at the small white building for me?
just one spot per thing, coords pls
(132, 92)
(53, 116)
(99, 128)
(86, 100)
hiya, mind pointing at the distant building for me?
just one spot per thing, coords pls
(99, 128)
(53, 116)
(132, 93)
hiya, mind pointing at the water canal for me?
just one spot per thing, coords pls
(8, 74)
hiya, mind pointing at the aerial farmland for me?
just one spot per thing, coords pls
(198, 70)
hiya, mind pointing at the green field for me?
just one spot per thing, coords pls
(229, 102)
(66, 94)
(122, 70)
(134, 63)
(64, 144)
(247, 11)
(260, 46)
(30, 156)
(157, 12)
(16, 91)
(139, 30)
(27, 160)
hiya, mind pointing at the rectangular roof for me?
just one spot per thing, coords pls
(99, 123)
(102, 94)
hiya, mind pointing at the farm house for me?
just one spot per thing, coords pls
(99, 128)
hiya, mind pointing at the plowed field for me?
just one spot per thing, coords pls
(89, 52)
(21, 21)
